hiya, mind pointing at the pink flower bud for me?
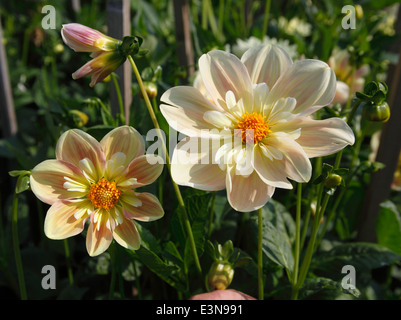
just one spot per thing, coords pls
(81, 38)
(105, 53)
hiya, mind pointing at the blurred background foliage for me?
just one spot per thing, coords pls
(48, 102)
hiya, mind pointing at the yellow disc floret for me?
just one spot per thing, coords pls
(253, 127)
(104, 194)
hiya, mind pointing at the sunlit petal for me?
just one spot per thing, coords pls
(48, 178)
(149, 208)
(127, 235)
(123, 139)
(66, 218)
(75, 145)
(247, 194)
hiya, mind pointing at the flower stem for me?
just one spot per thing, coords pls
(68, 260)
(211, 213)
(266, 19)
(260, 255)
(112, 253)
(310, 249)
(175, 186)
(137, 282)
(119, 97)
(297, 234)
(17, 253)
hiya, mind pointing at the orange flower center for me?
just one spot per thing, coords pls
(104, 194)
(253, 127)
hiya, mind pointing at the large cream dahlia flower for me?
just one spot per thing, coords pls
(97, 181)
(263, 103)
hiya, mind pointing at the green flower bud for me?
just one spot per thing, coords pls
(220, 275)
(333, 180)
(151, 89)
(376, 112)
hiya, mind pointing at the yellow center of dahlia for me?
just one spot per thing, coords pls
(253, 127)
(104, 194)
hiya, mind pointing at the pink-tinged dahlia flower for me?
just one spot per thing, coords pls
(105, 51)
(348, 82)
(263, 102)
(97, 181)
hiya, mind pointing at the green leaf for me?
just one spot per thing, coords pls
(165, 271)
(22, 184)
(197, 205)
(276, 247)
(388, 227)
(16, 173)
(171, 252)
(148, 240)
(362, 256)
(316, 285)
(278, 215)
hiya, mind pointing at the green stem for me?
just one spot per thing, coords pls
(221, 18)
(68, 261)
(112, 252)
(310, 249)
(212, 20)
(211, 213)
(119, 270)
(204, 14)
(17, 253)
(260, 255)
(119, 98)
(305, 224)
(175, 186)
(297, 234)
(266, 19)
(138, 285)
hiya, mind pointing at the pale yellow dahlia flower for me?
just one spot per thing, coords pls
(264, 101)
(97, 181)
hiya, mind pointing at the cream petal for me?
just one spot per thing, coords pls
(260, 94)
(221, 72)
(217, 119)
(311, 82)
(144, 169)
(127, 235)
(65, 219)
(197, 169)
(89, 170)
(130, 198)
(186, 109)
(270, 171)
(99, 235)
(124, 139)
(243, 160)
(266, 63)
(75, 145)
(324, 137)
(48, 178)
(247, 194)
(115, 166)
(342, 93)
(270, 152)
(280, 110)
(149, 210)
(296, 163)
